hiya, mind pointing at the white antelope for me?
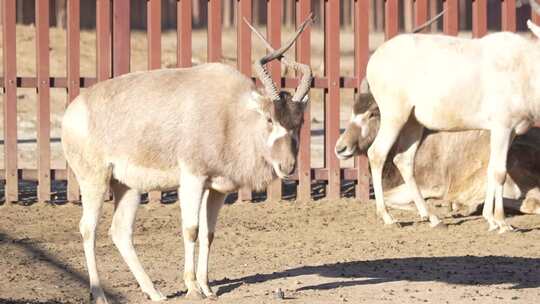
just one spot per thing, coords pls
(450, 166)
(451, 84)
(206, 128)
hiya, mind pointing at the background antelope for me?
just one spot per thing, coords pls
(449, 166)
(207, 128)
(453, 84)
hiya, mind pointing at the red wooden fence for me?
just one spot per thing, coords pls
(113, 59)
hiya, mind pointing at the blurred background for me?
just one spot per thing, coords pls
(26, 13)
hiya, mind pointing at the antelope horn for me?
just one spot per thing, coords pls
(270, 88)
(429, 22)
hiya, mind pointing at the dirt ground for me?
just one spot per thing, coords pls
(316, 252)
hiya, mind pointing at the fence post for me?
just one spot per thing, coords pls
(535, 16)
(243, 53)
(303, 55)
(184, 20)
(103, 43)
(10, 101)
(43, 108)
(391, 27)
(73, 77)
(479, 27)
(153, 11)
(408, 6)
(332, 97)
(450, 18)
(121, 37)
(361, 56)
(420, 12)
(243, 50)
(508, 15)
(273, 34)
(154, 33)
(214, 31)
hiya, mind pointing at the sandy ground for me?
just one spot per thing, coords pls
(316, 252)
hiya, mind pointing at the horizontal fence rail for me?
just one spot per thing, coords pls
(113, 30)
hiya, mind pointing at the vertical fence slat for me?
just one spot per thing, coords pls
(10, 100)
(391, 19)
(154, 56)
(479, 24)
(243, 49)
(184, 19)
(43, 109)
(361, 56)
(214, 31)
(332, 97)
(154, 33)
(121, 37)
(103, 33)
(535, 17)
(433, 11)
(73, 76)
(508, 14)
(420, 12)
(450, 18)
(303, 55)
(273, 32)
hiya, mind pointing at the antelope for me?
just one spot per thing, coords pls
(446, 83)
(449, 166)
(206, 128)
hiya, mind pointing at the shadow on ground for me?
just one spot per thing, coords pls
(23, 301)
(31, 247)
(519, 272)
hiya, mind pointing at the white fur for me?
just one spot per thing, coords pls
(145, 179)
(253, 101)
(361, 121)
(278, 131)
(77, 122)
(454, 84)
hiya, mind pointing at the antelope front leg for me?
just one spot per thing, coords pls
(408, 143)
(126, 204)
(191, 195)
(500, 140)
(208, 218)
(500, 143)
(377, 154)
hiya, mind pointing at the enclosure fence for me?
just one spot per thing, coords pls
(113, 59)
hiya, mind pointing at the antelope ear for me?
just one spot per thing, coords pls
(535, 29)
(255, 102)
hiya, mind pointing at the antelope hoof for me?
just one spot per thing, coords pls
(98, 298)
(389, 220)
(156, 296)
(435, 222)
(101, 301)
(392, 225)
(424, 218)
(504, 227)
(439, 225)
(207, 291)
(492, 226)
(194, 295)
